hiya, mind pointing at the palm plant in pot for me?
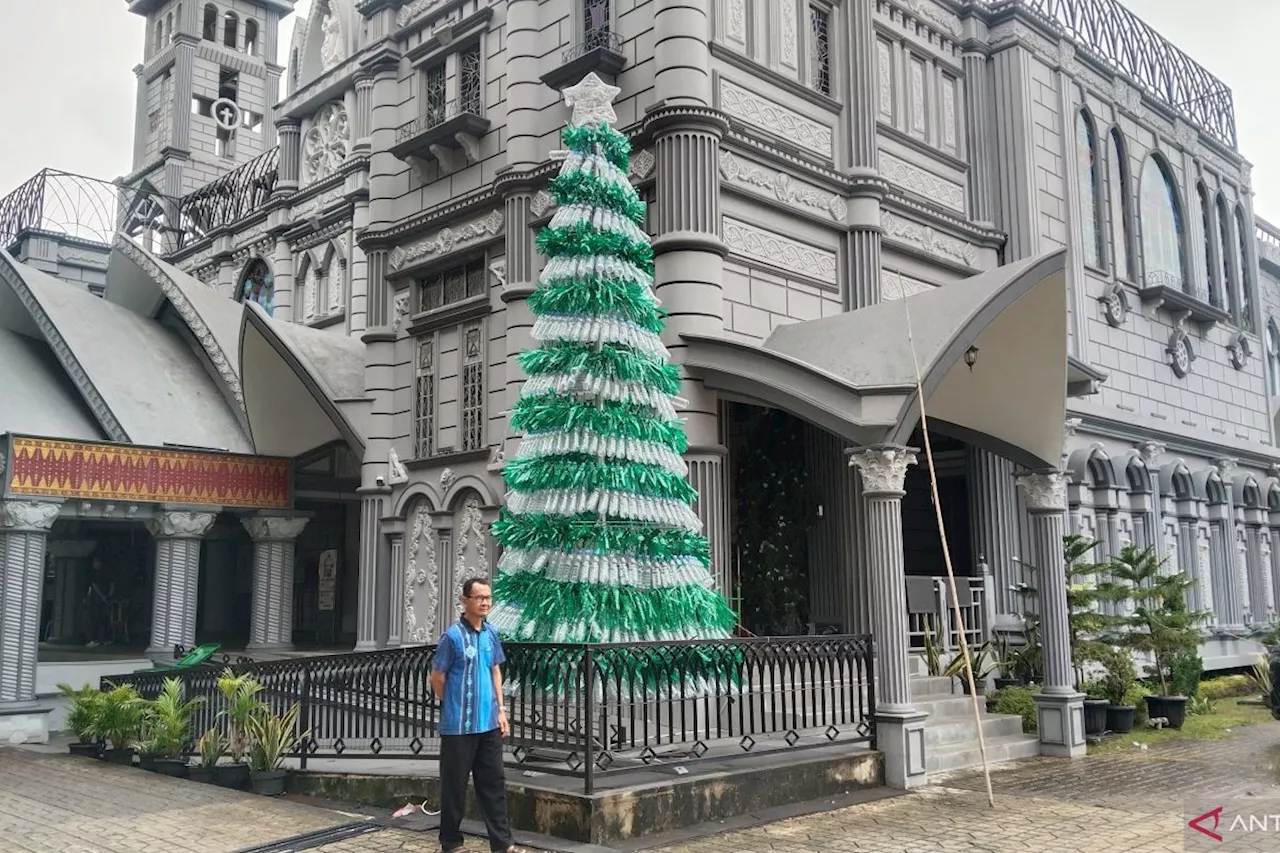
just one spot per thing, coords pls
(273, 737)
(1161, 625)
(240, 705)
(984, 663)
(1120, 677)
(210, 748)
(171, 714)
(121, 714)
(82, 718)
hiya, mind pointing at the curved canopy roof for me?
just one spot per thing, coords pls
(144, 384)
(855, 373)
(38, 399)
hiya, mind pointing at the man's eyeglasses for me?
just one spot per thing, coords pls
(480, 598)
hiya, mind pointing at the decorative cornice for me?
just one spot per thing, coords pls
(928, 239)
(97, 403)
(669, 118)
(445, 241)
(780, 185)
(883, 468)
(922, 182)
(743, 104)
(27, 516)
(780, 252)
(221, 362)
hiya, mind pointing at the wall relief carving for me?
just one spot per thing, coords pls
(927, 238)
(776, 119)
(781, 186)
(780, 252)
(446, 239)
(922, 182)
(421, 579)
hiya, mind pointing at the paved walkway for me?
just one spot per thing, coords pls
(1130, 802)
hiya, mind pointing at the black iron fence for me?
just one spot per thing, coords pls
(586, 711)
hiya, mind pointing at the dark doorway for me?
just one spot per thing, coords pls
(922, 546)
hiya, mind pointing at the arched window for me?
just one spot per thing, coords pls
(1210, 267)
(1246, 279)
(1273, 357)
(1163, 246)
(1090, 210)
(168, 28)
(1230, 266)
(159, 37)
(1118, 179)
(231, 30)
(259, 285)
(251, 36)
(210, 32)
(1091, 219)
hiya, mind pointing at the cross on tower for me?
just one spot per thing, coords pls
(227, 115)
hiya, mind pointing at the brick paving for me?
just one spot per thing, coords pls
(54, 803)
(1134, 801)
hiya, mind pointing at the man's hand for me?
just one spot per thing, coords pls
(503, 725)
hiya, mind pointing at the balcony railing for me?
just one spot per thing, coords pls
(86, 209)
(583, 711)
(602, 38)
(1131, 46)
(439, 114)
(230, 198)
(1268, 237)
(931, 614)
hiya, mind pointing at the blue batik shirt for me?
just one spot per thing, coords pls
(467, 658)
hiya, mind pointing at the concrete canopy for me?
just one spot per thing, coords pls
(303, 388)
(854, 373)
(139, 378)
(38, 398)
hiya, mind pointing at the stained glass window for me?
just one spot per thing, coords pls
(259, 285)
(1273, 357)
(1090, 220)
(1230, 265)
(1118, 178)
(424, 414)
(1246, 280)
(1206, 225)
(473, 387)
(1163, 249)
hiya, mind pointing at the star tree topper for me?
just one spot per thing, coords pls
(592, 101)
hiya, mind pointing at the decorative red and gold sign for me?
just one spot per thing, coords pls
(84, 471)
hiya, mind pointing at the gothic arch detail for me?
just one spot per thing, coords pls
(470, 538)
(421, 578)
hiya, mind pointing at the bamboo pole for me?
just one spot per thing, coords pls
(946, 556)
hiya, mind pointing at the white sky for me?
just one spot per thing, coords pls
(69, 99)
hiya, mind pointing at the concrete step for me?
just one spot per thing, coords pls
(931, 687)
(967, 755)
(947, 732)
(953, 707)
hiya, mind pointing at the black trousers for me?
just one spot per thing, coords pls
(480, 757)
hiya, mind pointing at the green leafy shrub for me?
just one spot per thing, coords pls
(1136, 696)
(1184, 677)
(1228, 687)
(1018, 701)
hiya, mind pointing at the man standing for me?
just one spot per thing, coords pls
(467, 679)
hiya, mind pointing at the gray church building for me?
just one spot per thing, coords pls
(1027, 220)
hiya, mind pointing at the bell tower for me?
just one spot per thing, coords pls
(206, 90)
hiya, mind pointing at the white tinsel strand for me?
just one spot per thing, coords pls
(595, 387)
(579, 441)
(574, 268)
(603, 219)
(607, 502)
(599, 329)
(621, 570)
(595, 164)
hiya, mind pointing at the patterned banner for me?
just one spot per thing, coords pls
(66, 469)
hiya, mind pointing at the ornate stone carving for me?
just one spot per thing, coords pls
(415, 9)
(1045, 492)
(1067, 57)
(469, 533)
(1181, 353)
(779, 251)
(1127, 97)
(642, 164)
(316, 203)
(781, 186)
(926, 11)
(1115, 305)
(928, 239)
(884, 77)
(498, 269)
(1187, 137)
(333, 49)
(181, 524)
(397, 474)
(446, 239)
(402, 310)
(922, 182)
(1151, 452)
(776, 119)
(883, 469)
(274, 528)
(1226, 468)
(541, 202)
(447, 479)
(737, 21)
(422, 544)
(787, 8)
(27, 516)
(327, 143)
(1239, 350)
(221, 362)
(897, 286)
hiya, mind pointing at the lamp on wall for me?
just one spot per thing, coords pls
(971, 357)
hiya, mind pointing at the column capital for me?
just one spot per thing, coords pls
(275, 528)
(1226, 467)
(180, 524)
(1046, 491)
(288, 123)
(1151, 452)
(20, 516)
(662, 118)
(883, 467)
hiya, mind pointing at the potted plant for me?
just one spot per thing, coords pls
(82, 719)
(1162, 625)
(1121, 675)
(121, 714)
(211, 746)
(272, 737)
(171, 715)
(1006, 660)
(1095, 708)
(983, 665)
(241, 703)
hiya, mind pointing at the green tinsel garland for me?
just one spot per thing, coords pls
(589, 474)
(639, 611)
(583, 238)
(612, 144)
(586, 533)
(590, 189)
(548, 412)
(594, 296)
(610, 361)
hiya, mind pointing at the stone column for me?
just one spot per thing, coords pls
(362, 127)
(977, 122)
(394, 531)
(1060, 708)
(142, 119)
(372, 554)
(860, 250)
(899, 725)
(282, 269)
(271, 610)
(24, 528)
(184, 63)
(707, 476)
(518, 287)
(177, 578)
(993, 513)
(384, 169)
(290, 131)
